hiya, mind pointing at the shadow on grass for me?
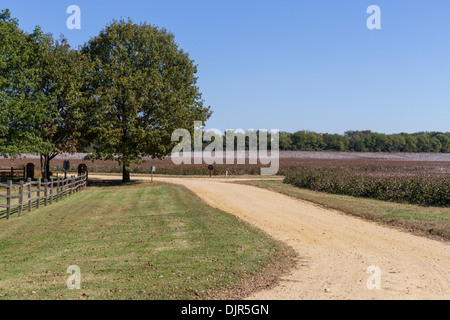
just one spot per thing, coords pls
(111, 183)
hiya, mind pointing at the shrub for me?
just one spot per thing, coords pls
(422, 190)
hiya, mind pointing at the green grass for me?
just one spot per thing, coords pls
(137, 241)
(424, 221)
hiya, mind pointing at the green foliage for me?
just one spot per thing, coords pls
(22, 106)
(124, 93)
(41, 82)
(425, 190)
(366, 141)
(64, 78)
(143, 88)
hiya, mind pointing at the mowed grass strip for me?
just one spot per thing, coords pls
(137, 241)
(424, 221)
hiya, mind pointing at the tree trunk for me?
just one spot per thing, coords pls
(45, 166)
(125, 174)
(42, 167)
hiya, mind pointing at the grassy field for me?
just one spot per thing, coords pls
(425, 221)
(139, 241)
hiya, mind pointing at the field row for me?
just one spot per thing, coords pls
(381, 164)
(422, 189)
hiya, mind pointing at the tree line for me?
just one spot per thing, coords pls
(122, 93)
(366, 141)
(350, 141)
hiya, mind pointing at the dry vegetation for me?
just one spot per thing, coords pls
(379, 164)
(422, 179)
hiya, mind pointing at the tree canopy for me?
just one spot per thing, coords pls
(22, 107)
(143, 88)
(123, 93)
(41, 96)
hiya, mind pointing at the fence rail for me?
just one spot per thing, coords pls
(31, 194)
(13, 173)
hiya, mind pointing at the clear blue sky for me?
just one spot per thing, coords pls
(293, 64)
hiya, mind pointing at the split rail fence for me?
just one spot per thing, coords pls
(32, 194)
(13, 173)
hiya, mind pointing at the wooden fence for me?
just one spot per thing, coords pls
(45, 191)
(13, 173)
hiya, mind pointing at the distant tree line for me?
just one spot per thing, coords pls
(366, 141)
(350, 141)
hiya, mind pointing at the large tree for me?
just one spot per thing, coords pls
(143, 88)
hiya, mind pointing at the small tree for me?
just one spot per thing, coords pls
(143, 88)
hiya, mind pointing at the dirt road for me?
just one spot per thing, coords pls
(335, 250)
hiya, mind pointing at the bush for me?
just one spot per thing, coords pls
(421, 190)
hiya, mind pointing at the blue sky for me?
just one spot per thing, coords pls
(292, 64)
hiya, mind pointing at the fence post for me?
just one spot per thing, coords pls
(63, 189)
(51, 190)
(21, 198)
(58, 191)
(12, 173)
(29, 194)
(45, 191)
(8, 199)
(38, 193)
